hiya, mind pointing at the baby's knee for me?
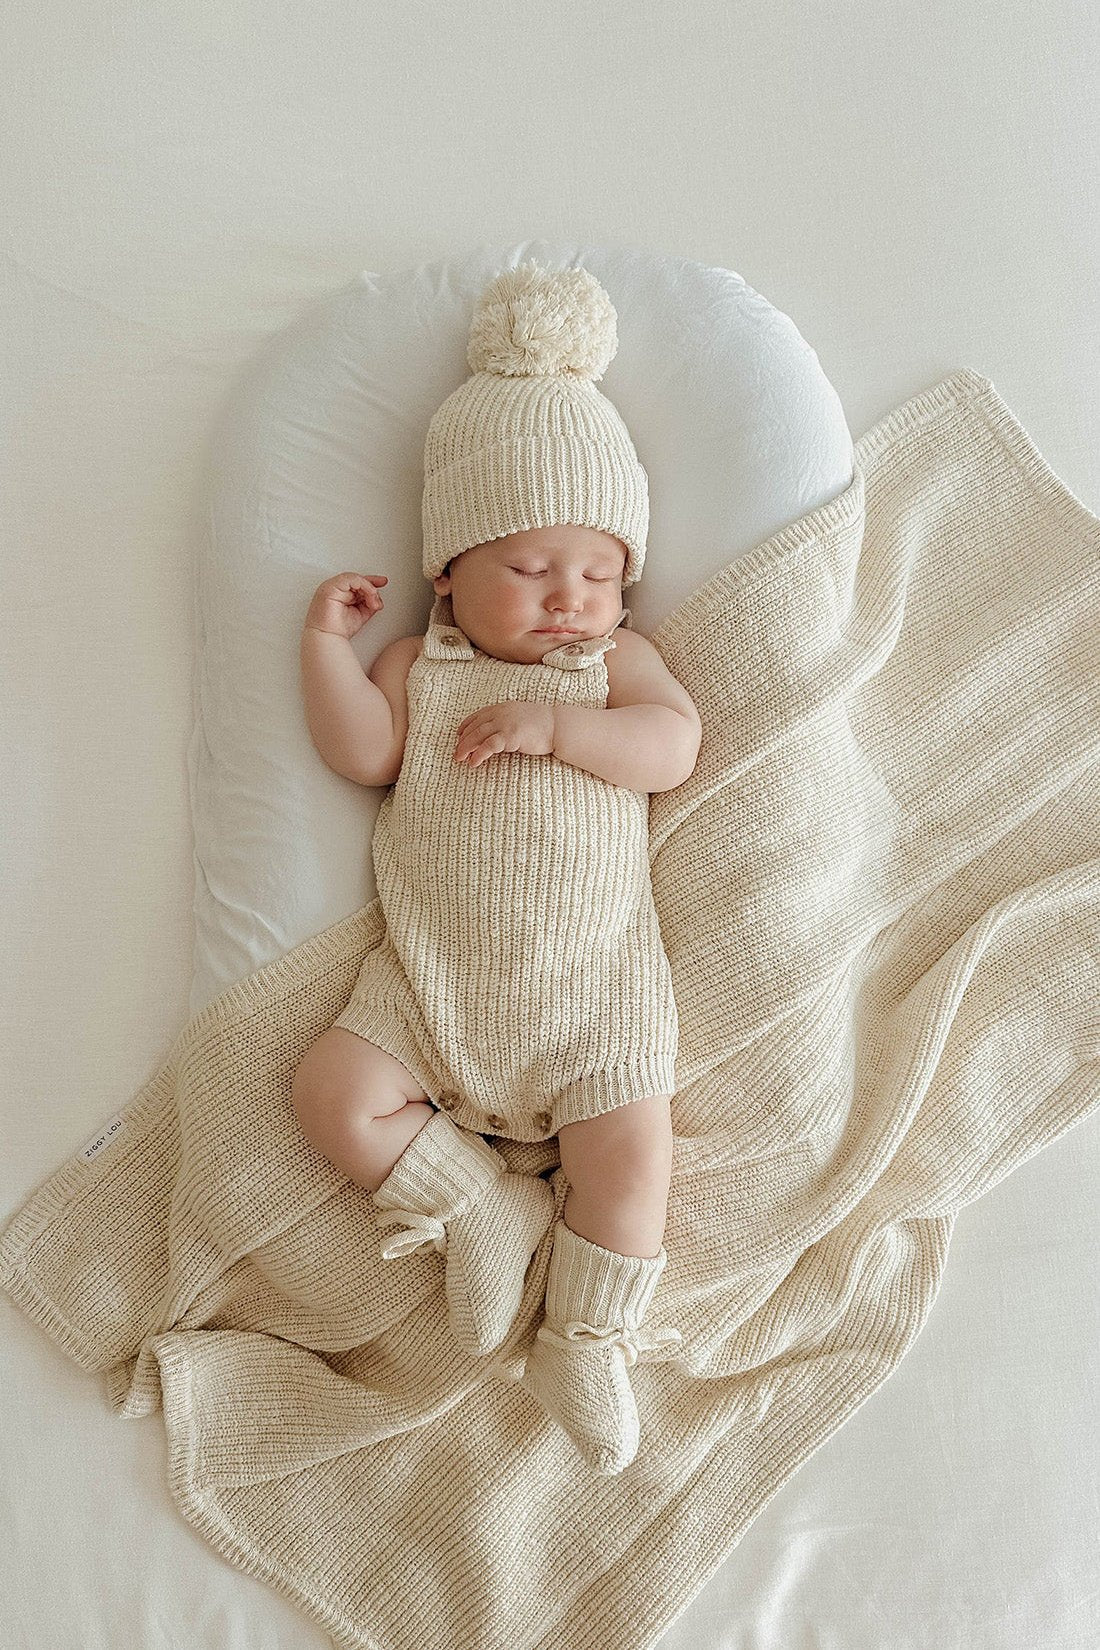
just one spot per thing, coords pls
(642, 1130)
(628, 1148)
(331, 1091)
(318, 1102)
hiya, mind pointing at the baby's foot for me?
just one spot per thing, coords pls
(578, 1367)
(452, 1192)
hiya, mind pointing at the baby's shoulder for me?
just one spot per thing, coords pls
(628, 647)
(407, 648)
(391, 668)
(637, 674)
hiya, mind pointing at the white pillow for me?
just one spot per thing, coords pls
(316, 468)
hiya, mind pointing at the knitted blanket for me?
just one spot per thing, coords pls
(880, 897)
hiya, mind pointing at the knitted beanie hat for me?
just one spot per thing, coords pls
(529, 441)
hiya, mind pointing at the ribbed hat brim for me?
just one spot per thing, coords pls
(536, 481)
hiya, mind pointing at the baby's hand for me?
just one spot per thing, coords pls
(511, 726)
(344, 603)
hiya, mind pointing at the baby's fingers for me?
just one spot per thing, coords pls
(352, 584)
(360, 590)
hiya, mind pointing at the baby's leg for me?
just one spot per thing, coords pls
(358, 1105)
(618, 1167)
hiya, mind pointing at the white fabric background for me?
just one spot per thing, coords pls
(916, 188)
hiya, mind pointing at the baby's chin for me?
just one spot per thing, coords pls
(526, 647)
(529, 650)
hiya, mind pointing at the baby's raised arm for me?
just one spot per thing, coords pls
(357, 721)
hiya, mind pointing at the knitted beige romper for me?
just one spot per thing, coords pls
(521, 979)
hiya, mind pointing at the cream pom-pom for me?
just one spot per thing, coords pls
(533, 321)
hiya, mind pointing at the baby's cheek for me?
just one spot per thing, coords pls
(513, 605)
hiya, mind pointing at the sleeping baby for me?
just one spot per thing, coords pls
(521, 988)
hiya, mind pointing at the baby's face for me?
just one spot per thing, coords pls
(508, 595)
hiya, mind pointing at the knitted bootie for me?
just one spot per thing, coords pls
(453, 1193)
(578, 1366)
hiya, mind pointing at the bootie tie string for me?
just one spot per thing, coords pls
(650, 1346)
(421, 1232)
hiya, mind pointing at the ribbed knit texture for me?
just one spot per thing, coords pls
(451, 1193)
(523, 977)
(578, 1367)
(880, 893)
(441, 1172)
(587, 1281)
(528, 440)
(542, 456)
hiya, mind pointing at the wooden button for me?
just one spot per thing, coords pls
(448, 1100)
(543, 1120)
(495, 1121)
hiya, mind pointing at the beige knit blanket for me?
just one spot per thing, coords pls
(880, 897)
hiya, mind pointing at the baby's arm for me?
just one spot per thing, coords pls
(648, 737)
(358, 722)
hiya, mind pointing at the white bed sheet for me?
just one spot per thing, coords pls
(180, 184)
(956, 1509)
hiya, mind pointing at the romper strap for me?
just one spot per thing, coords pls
(582, 655)
(443, 639)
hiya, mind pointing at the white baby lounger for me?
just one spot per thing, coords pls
(522, 978)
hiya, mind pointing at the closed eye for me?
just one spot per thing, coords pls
(524, 573)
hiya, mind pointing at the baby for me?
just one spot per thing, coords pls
(521, 988)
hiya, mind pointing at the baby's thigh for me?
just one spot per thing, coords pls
(631, 1141)
(342, 1070)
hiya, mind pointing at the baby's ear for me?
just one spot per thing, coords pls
(441, 583)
